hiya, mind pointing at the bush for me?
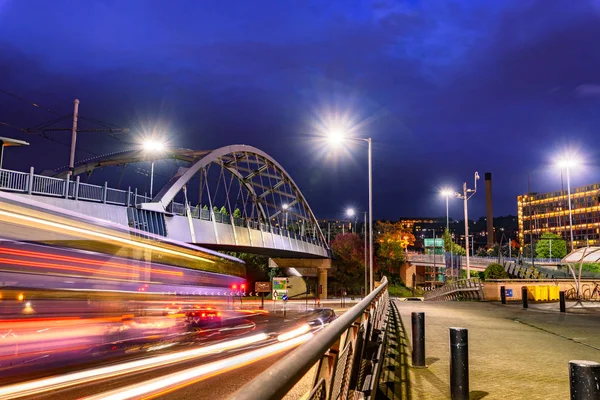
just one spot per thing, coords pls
(495, 271)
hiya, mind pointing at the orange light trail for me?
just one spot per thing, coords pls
(11, 261)
(57, 257)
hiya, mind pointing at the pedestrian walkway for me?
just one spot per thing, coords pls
(514, 353)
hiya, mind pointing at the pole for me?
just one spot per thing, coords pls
(434, 266)
(370, 216)
(466, 229)
(584, 377)
(447, 216)
(366, 276)
(459, 364)
(570, 211)
(418, 339)
(151, 177)
(73, 137)
(329, 233)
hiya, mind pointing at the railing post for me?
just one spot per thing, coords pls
(30, 183)
(104, 192)
(459, 364)
(584, 377)
(66, 187)
(128, 196)
(418, 339)
(561, 296)
(135, 198)
(77, 188)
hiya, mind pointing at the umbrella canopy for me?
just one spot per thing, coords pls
(589, 254)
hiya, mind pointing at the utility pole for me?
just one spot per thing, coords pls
(465, 196)
(73, 137)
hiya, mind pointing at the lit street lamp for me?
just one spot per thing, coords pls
(155, 147)
(337, 138)
(567, 164)
(465, 196)
(351, 212)
(447, 193)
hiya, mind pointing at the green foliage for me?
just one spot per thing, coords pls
(449, 245)
(224, 211)
(495, 271)
(237, 213)
(474, 274)
(216, 209)
(205, 207)
(403, 291)
(548, 241)
(590, 267)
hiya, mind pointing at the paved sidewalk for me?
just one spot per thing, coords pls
(513, 353)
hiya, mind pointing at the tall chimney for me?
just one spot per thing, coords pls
(488, 206)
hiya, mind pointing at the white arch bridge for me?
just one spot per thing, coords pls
(234, 198)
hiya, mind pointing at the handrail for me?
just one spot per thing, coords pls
(276, 381)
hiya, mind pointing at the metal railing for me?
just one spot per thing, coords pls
(347, 355)
(31, 183)
(468, 289)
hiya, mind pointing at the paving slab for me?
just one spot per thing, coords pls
(514, 353)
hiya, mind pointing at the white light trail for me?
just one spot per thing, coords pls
(57, 382)
(159, 386)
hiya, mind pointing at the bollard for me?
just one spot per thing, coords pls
(503, 294)
(459, 364)
(584, 377)
(561, 295)
(418, 339)
(524, 297)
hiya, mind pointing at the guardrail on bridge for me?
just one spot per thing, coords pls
(463, 289)
(348, 355)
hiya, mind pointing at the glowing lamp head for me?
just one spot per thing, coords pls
(351, 212)
(567, 163)
(336, 137)
(285, 206)
(154, 146)
(446, 192)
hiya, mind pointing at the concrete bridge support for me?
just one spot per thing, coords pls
(308, 267)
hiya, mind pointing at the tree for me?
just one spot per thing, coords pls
(450, 245)
(550, 241)
(392, 241)
(237, 213)
(348, 249)
(495, 271)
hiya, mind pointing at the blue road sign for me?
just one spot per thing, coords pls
(509, 293)
(284, 297)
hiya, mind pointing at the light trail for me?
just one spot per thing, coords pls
(58, 382)
(175, 381)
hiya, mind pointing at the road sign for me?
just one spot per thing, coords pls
(509, 292)
(284, 297)
(279, 288)
(262, 287)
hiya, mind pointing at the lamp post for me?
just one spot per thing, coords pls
(465, 196)
(447, 193)
(567, 164)
(285, 208)
(351, 212)
(155, 147)
(337, 138)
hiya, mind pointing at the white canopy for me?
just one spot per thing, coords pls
(589, 255)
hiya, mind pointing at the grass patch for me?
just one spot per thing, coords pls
(403, 291)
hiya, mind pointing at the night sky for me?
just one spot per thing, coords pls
(443, 87)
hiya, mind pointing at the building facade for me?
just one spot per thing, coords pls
(549, 212)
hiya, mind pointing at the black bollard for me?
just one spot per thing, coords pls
(418, 339)
(459, 364)
(561, 295)
(584, 377)
(503, 294)
(524, 297)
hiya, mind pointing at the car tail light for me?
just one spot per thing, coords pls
(243, 287)
(203, 315)
(218, 314)
(234, 287)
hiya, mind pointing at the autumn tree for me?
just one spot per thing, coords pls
(392, 241)
(348, 249)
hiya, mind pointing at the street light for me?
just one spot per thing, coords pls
(153, 146)
(447, 193)
(567, 163)
(351, 212)
(465, 196)
(337, 138)
(285, 207)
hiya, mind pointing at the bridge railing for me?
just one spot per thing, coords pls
(31, 183)
(347, 353)
(462, 288)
